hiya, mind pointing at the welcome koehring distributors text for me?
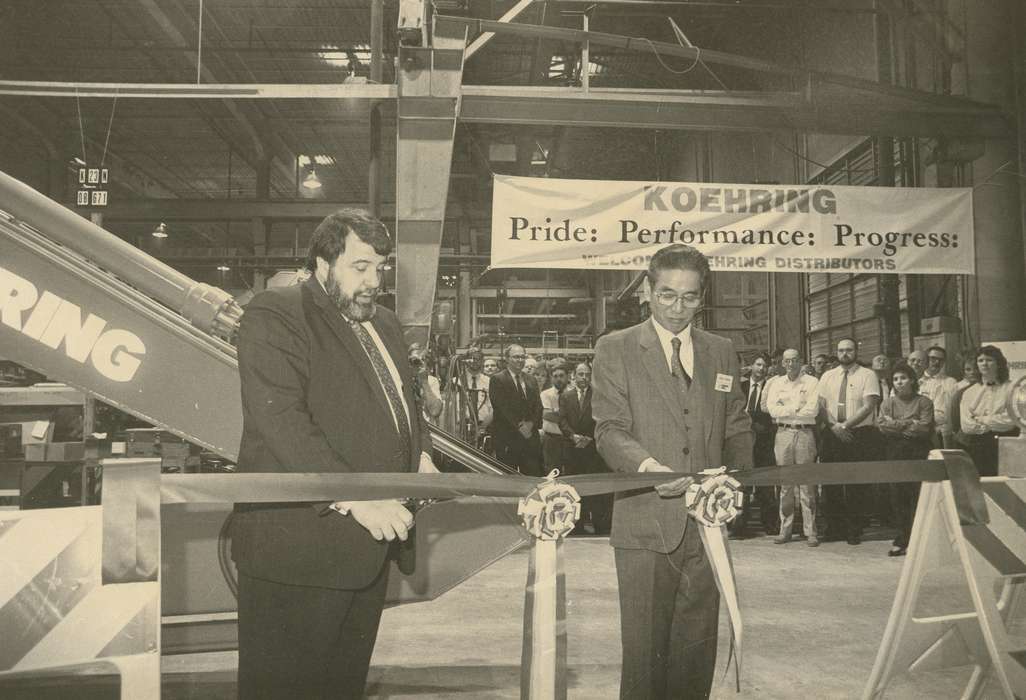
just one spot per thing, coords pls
(725, 200)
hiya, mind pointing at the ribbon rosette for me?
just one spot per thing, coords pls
(551, 510)
(716, 499)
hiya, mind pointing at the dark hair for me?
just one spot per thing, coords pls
(823, 355)
(938, 348)
(329, 238)
(997, 356)
(765, 357)
(906, 369)
(679, 257)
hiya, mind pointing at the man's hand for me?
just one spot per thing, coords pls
(526, 428)
(842, 433)
(384, 520)
(581, 441)
(671, 489)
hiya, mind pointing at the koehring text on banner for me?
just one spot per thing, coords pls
(585, 224)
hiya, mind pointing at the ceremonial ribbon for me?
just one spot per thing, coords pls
(549, 508)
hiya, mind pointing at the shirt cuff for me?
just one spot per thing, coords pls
(648, 464)
(426, 464)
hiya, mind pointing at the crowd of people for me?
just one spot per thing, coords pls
(532, 413)
(838, 409)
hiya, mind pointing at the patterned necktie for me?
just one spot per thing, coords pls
(842, 398)
(678, 366)
(387, 383)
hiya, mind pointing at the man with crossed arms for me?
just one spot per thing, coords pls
(793, 403)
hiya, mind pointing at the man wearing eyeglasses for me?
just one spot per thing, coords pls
(517, 414)
(667, 398)
(937, 386)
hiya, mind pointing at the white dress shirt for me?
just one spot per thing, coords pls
(687, 350)
(550, 402)
(478, 385)
(862, 383)
(939, 389)
(792, 402)
(984, 408)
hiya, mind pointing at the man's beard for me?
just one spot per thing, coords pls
(351, 307)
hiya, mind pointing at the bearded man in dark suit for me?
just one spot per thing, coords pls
(325, 388)
(517, 414)
(667, 399)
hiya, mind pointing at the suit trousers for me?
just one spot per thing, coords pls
(796, 447)
(554, 452)
(669, 615)
(304, 641)
(523, 454)
(848, 504)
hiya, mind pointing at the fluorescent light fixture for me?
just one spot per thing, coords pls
(223, 268)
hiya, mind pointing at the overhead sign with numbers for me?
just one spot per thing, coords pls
(92, 186)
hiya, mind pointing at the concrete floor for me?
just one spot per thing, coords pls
(813, 622)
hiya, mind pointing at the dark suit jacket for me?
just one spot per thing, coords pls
(639, 414)
(312, 402)
(509, 407)
(573, 417)
(762, 422)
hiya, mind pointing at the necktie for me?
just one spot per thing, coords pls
(520, 387)
(678, 366)
(842, 398)
(387, 383)
(753, 398)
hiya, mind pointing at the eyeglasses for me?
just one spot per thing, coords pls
(938, 358)
(688, 299)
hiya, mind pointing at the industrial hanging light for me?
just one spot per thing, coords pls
(311, 181)
(223, 267)
(160, 231)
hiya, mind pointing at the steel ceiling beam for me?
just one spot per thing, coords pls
(722, 112)
(220, 210)
(208, 91)
(485, 37)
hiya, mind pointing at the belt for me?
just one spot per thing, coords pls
(796, 426)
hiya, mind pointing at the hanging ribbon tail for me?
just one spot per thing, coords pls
(543, 671)
(548, 513)
(714, 539)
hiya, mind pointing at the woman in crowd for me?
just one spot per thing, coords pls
(983, 411)
(541, 375)
(906, 422)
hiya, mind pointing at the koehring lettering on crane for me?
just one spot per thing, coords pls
(52, 321)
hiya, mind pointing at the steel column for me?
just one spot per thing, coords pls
(429, 89)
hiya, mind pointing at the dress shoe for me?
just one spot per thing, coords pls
(783, 539)
(854, 539)
(897, 552)
(812, 541)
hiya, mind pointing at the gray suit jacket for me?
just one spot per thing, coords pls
(639, 414)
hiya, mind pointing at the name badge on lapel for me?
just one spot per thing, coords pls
(724, 382)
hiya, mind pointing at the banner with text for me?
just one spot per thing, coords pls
(603, 224)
